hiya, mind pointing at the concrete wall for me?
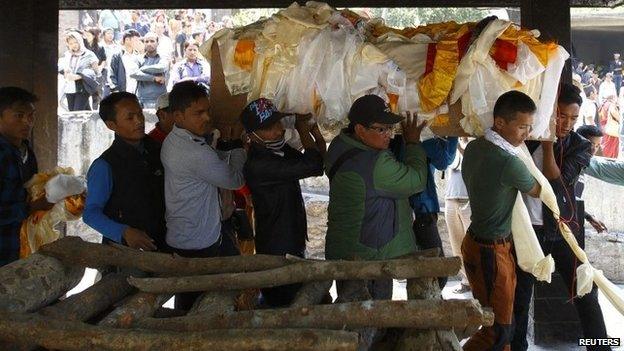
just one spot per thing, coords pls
(596, 46)
(604, 201)
(28, 58)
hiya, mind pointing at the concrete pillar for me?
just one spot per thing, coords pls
(28, 59)
(552, 18)
(554, 319)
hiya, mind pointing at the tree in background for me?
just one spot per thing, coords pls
(413, 17)
(243, 17)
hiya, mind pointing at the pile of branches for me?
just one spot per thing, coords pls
(123, 310)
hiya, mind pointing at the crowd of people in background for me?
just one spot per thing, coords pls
(603, 102)
(133, 51)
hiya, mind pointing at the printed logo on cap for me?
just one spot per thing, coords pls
(263, 108)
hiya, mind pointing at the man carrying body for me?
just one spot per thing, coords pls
(562, 163)
(194, 173)
(125, 201)
(17, 165)
(440, 153)
(594, 135)
(369, 213)
(151, 74)
(493, 175)
(273, 170)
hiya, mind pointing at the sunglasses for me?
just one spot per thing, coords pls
(387, 130)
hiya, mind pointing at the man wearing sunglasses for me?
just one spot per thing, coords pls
(369, 213)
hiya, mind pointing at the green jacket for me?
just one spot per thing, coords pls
(369, 213)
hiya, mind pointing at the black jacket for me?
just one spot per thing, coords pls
(280, 215)
(117, 74)
(572, 155)
(138, 197)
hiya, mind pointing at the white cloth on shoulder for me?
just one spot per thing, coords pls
(529, 253)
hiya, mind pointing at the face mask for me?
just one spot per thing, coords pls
(275, 145)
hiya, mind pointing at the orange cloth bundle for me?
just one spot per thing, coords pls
(40, 227)
(244, 53)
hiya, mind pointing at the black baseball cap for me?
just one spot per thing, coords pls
(260, 113)
(370, 109)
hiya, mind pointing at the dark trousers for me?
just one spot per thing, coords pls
(587, 307)
(617, 80)
(427, 236)
(78, 102)
(225, 246)
(9, 243)
(283, 295)
(363, 290)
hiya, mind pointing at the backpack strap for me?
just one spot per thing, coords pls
(341, 160)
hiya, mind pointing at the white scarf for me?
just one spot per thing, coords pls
(496, 139)
(528, 250)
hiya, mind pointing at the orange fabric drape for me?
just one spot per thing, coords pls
(541, 50)
(244, 53)
(434, 86)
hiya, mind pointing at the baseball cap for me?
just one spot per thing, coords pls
(162, 101)
(259, 113)
(370, 109)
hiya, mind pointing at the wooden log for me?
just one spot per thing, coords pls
(34, 282)
(164, 312)
(421, 314)
(312, 294)
(139, 305)
(64, 335)
(75, 251)
(305, 271)
(441, 339)
(91, 302)
(214, 303)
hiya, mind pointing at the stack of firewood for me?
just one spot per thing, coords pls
(123, 311)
